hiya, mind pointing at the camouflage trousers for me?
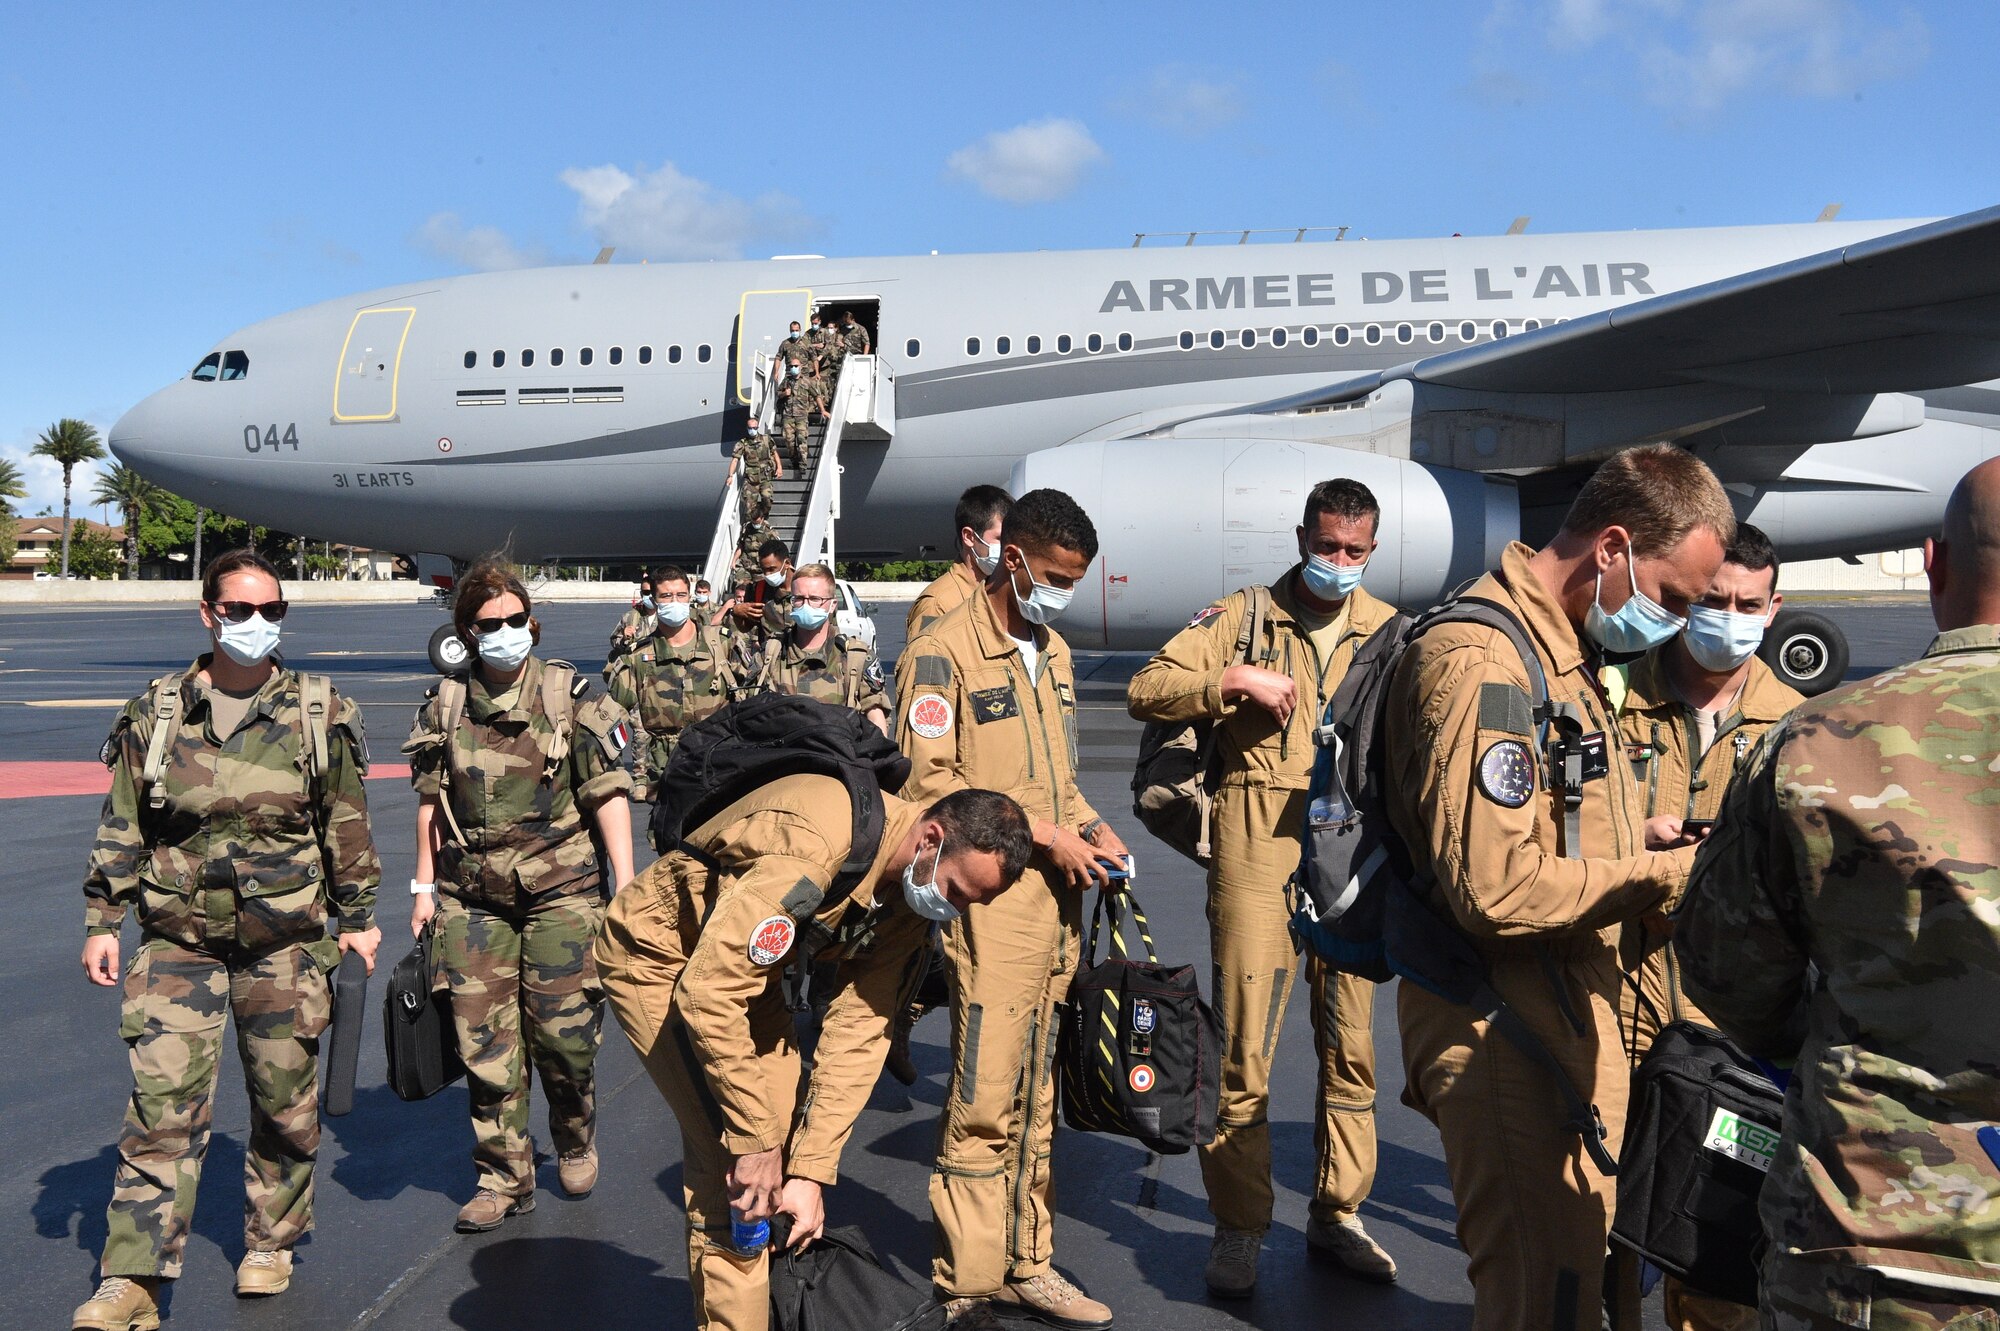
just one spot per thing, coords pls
(176, 1002)
(795, 436)
(754, 499)
(1803, 1294)
(524, 975)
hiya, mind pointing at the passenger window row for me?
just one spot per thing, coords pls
(586, 356)
(1217, 339)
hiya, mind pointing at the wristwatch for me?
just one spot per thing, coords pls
(418, 889)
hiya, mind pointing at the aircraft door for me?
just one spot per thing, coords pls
(371, 363)
(762, 321)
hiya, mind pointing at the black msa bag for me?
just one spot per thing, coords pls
(1138, 1052)
(839, 1284)
(1174, 781)
(1700, 1135)
(1358, 901)
(753, 742)
(417, 1027)
(343, 1039)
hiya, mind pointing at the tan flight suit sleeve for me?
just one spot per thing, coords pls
(721, 980)
(853, 1042)
(1183, 681)
(1492, 866)
(937, 762)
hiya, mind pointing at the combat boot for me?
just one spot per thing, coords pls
(577, 1171)
(261, 1274)
(489, 1210)
(970, 1315)
(1346, 1242)
(1232, 1263)
(1051, 1299)
(122, 1303)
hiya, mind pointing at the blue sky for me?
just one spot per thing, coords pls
(175, 172)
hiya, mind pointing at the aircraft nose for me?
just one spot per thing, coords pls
(162, 440)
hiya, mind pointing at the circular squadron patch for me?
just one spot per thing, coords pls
(1141, 1078)
(930, 716)
(1507, 774)
(772, 939)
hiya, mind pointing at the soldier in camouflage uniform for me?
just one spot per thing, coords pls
(634, 624)
(508, 763)
(853, 335)
(799, 357)
(236, 823)
(1846, 914)
(796, 413)
(675, 678)
(755, 536)
(757, 458)
(813, 659)
(832, 352)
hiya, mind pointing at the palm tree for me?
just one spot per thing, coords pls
(11, 485)
(135, 496)
(66, 443)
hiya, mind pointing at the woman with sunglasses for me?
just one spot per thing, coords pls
(517, 771)
(236, 823)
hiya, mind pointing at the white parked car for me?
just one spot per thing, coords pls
(855, 618)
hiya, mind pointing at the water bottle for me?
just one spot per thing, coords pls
(748, 1237)
(1329, 810)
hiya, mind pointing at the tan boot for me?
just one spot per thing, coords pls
(122, 1303)
(1232, 1263)
(577, 1171)
(489, 1209)
(1346, 1242)
(970, 1315)
(261, 1274)
(1051, 1299)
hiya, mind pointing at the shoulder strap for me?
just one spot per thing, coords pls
(316, 699)
(451, 696)
(773, 649)
(557, 676)
(857, 662)
(1255, 611)
(166, 729)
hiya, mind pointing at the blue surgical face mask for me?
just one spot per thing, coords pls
(249, 642)
(1639, 625)
(925, 898)
(646, 601)
(1722, 640)
(1330, 581)
(674, 613)
(505, 647)
(701, 598)
(808, 616)
(1043, 604)
(776, 579)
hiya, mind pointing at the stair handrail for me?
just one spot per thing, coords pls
(720, 565)
(822, 502)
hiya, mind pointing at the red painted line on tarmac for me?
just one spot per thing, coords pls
(19, 781)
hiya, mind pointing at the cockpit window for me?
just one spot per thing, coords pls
(210, 367)
(235, 365)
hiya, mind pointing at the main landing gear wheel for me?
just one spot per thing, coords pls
(1806, 651)
(449, 654)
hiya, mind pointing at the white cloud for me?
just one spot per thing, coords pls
(665, 214)
(481, 248)
(43, 478)
(1031, 163)
(1181, 101)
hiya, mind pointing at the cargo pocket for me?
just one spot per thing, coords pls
(284, 996)
(132, 1011)
(166, 903)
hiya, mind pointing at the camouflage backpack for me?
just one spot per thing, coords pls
(315, 699)
(561, 686)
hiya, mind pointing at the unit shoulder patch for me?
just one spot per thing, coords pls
(772, 939)
(930, 716)
(1203, 616)
(1507, 773)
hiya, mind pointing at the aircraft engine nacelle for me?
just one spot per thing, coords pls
(1181, 522)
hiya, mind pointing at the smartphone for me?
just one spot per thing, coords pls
(1698, 827)
(1121, 875)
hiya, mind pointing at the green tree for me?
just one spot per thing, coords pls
(93, 554)
(134, 496)
(11, 488)
(67, 443)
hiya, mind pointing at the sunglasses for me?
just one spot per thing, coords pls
(239, 612)
(492, 624)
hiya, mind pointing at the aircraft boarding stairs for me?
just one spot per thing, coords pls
(806, 503)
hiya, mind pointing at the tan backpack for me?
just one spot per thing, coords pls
(1174, 781)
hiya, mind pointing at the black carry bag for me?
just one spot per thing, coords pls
(1139, 1053)
(1700, 1135)
(343, 1044)
(839, 1284)
(417, 1028)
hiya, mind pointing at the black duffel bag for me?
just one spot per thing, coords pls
(1139, 1053)
(839, 1284)
(417, 1028)
(1701, 1132)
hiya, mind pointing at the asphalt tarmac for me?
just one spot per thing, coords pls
(1133, 1228)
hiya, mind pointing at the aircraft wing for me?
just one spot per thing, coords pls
(1899, 313)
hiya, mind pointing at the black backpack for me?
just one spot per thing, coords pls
(1138, 1052)
(751, 743)
(839, 1284)
(1358, 900)
(1702, 1130)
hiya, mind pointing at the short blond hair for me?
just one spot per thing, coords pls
(813, 571)
(1659, 493)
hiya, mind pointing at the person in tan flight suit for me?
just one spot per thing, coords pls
(978, 516)
(987, 698)
(1693, 712)
(720, 1048)
(1265, 710)
(1539, 875)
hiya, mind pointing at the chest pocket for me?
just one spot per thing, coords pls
(1002, 746)
(994, 704)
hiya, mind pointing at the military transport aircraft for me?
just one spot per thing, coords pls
(1833, 373)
